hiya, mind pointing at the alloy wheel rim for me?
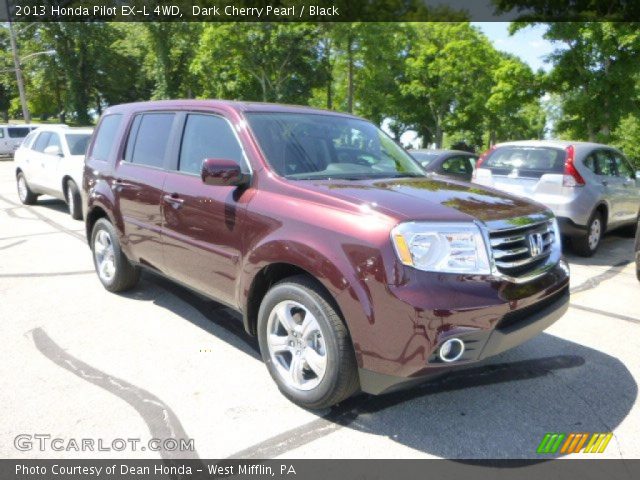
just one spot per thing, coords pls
(22, 188)
(105, 256)
(296, 345)
(594, 234)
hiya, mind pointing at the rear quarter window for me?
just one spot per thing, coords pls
(18, 132)
(105, 137)
(525, 161)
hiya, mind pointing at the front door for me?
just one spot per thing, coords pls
(139, 179)
(202, 223)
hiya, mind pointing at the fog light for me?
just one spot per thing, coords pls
(451, 350)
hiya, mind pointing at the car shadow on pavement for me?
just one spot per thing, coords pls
(499, 408)
(616, 249)
(53, 204)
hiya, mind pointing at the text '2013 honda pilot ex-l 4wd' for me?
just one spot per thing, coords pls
(355, 270)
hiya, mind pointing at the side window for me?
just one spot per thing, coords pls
(54, 141)
(151, 138)
(591, 163)
(28, 142)
(42, 141)
(207, 136)
(105, 137)
(18, 132)
(457, 166)
(604, 164)
(1, 132)
(621, 166)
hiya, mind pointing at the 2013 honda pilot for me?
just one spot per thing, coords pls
(354, 269)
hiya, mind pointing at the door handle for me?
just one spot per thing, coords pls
(174, 200)
(605, 182)
(118, 184)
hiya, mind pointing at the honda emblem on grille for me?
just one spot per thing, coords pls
(535, 244)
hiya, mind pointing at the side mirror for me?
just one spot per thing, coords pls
(223, 173)
(53, 150)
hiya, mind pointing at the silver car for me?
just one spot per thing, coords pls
(589, 186)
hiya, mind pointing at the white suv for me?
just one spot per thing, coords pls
(590, 187)
(51, 161)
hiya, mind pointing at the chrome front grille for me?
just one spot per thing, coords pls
(519, 250)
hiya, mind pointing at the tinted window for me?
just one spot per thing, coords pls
(457, 166)
(105, 137)
(77, 142)
(621, 167)
(1, 132)
(207, 136)
(18, 132)
(309, 146)
(150, 142)
(42, 141)
(527, 161)
(604, 163)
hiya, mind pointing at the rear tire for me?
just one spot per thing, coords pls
(306, 345)
(26, 196)
(587, 244)
(114, 270)
(74, 200)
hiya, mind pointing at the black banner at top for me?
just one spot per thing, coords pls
(318, 10)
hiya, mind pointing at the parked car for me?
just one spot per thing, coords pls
(51, 161)
(590, 187)
(11, 136)
(455, 164)
(354, 270)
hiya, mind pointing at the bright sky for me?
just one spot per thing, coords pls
(528, 43)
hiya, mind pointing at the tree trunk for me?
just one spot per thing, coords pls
(350, 79)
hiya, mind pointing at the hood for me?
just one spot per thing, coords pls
(429, 199)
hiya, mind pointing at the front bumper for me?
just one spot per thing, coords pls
(490, 319)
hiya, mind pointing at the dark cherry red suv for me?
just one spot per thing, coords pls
(355, 271)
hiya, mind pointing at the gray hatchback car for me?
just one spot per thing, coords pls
(589, 186)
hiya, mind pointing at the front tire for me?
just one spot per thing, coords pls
(74, 201)
(306, 345)
(114, 270)
(587, 244)
(26, 196)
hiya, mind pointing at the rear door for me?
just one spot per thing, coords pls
(36, 160)
(202, 223)
(51, 164)
(631, 202)
(139, 179)
(614, 188)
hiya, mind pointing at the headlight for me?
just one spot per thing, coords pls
(442, 247)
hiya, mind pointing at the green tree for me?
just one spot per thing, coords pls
(271, 62)
(448, 80)
(626, 137)
(594, 72)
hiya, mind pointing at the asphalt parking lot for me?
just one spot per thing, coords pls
(163, 362)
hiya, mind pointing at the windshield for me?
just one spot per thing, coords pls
(525, 161)
(305, 146)
(78, 143)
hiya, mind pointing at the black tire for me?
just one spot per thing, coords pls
(125, 275)
(582, 245)
(74, 200)
(25, 194)
(340, 379)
